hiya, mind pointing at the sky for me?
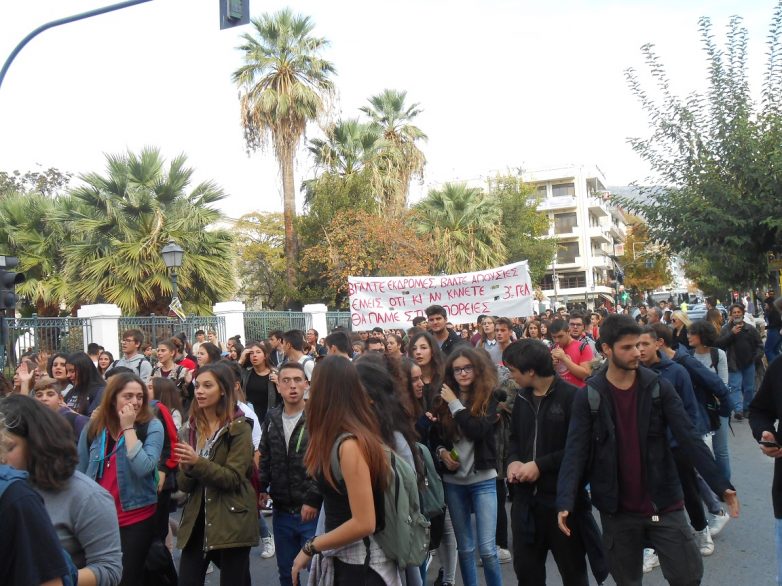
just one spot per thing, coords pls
(502, 84)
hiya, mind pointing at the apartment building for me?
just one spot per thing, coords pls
(588, 230)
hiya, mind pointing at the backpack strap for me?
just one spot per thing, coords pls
(656, 392)
(593, 396)
(715, 358)
(335, 468)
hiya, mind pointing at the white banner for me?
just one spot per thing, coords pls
(393, 302)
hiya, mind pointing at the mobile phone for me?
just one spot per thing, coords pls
(766, 444)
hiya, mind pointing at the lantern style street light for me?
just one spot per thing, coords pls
(172, 255)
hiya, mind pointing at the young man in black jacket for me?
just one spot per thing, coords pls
(295, 494)
(617, 442)
(538, 431)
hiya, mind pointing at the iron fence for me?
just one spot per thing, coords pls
(258, 324)
(157, 327)
(337, 318)
(43, 334)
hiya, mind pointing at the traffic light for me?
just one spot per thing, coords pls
(234, 13)
(9, 279)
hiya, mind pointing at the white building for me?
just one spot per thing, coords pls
(588, 230)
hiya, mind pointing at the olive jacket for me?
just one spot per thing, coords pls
(221, 484)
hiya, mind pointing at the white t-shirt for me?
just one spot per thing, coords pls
(289, 423)
(250, 414)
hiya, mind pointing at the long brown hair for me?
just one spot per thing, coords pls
(226, 404)
(435, 365)
(480, 392)
(107, 417)
(338, 404)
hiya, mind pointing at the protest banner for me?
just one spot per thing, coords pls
(393, 302)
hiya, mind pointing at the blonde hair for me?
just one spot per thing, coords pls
(682, 317)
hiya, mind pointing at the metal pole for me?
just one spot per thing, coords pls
(173, 284)
(61, 21)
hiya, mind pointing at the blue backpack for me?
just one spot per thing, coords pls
(8, 476)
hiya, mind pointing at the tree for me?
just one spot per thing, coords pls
(260, 239)
(49, 182)
(645, 264)
(524, 226)
(120, 221)
(349, 147)
(715, 159)
(400, 158)
(464, 228)
(284, 85)
(361, 244)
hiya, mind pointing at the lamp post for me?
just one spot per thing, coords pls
(172, 255)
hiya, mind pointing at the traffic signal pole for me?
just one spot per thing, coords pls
(61, 21)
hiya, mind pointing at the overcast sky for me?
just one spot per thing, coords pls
(531, 84)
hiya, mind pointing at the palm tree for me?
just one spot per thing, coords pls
(349, 147)
(284, 85)
(464, 227)
(120, 221)
(401, 159)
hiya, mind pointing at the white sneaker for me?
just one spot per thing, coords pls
(210, 568)
(504, 555)
(268, 548)
(705, 542)
(651, 560)
(718, 522)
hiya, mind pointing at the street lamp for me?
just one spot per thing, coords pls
(172, 256)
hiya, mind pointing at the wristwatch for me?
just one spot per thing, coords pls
(309, 547)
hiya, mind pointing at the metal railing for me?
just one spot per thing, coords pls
(44, 334)
(258, 324)
(158, 327)
(337, 318)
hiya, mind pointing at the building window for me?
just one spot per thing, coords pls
(541, 192)
(565, 223)
(566, 281)
(567, 252)
(563, 189)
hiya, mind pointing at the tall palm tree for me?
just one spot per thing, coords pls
(121, 220)
(350, 146)
(284, 85)
(401, 159)
(464, 226)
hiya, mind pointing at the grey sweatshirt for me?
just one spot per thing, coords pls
(85, 518)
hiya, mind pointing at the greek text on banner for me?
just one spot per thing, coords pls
(393, 302)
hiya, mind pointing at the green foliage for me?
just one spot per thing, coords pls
(260, 239)
(49, 182)
(464, 228)
(524, 226)
(119, 222)
(718, 157)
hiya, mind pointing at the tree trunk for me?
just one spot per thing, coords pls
(289, 212)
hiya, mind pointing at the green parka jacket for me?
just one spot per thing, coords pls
(223, 481)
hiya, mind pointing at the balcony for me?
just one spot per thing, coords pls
(556, 203)
(617, 231)
(601, 261)
(599, 234)
(598, 206)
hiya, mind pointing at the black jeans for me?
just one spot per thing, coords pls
(135, 540)
(624, 536)
(529, 559)
(502, 516)
(234, 562)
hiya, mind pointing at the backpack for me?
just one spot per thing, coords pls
(405, 536)
(432, 496)
(7, 477)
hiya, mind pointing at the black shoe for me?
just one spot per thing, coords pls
(738, 416)
(439, 580)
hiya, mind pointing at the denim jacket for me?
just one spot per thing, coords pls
(135, 469)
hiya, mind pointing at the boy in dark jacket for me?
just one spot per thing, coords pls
(538, 431)
(283, 475)
(742, 343)
(618, 443)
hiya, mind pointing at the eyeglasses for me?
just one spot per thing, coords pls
(576, 325)
(464, 370)
(129, 340)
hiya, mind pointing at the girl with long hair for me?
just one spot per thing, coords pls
(544, 333)
(87, 390)
(259, 391)
(166, 367)
(339, 409)
(219, 519)
(426, 353)
(208, 353)
(714, 317)
(82, 512)
(395, 345)
(105, 360)
(120, 449)
(55, 368)
(464, 435)
(488, 341)
(414, 389)
(166, 391)
(533, 330)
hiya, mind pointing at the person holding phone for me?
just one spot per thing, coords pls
(742, 343)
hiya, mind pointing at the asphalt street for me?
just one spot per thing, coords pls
(744, 550)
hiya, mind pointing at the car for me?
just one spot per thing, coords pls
(698, 311)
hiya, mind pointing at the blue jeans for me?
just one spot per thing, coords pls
(290, 533)
(742, 387)
(263, 526)
(773, 343)
(778, 525)
(479, 498)
(719, 444)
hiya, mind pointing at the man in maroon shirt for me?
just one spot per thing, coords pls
(617, 442)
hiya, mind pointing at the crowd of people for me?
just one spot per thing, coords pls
(558, 413)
